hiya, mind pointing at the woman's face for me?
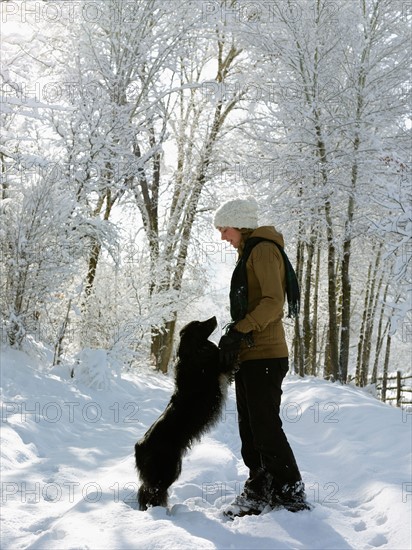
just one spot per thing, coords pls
(231, 235)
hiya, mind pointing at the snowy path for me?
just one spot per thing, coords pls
(68, 477)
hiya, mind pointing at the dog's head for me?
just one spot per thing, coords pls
(194, 336)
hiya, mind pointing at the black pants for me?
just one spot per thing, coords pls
(264, 444)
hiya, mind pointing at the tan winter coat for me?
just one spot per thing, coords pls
(266, 297)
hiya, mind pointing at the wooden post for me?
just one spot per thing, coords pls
(386, 367)
(398, 387)
(384, 384)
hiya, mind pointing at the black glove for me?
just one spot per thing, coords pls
(229, 345)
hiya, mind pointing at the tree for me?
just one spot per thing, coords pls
(35, 234)
(151, 95)
(338, 103)
(195, 140)
(139, 113)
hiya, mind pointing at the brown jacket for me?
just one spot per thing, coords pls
(266, 296)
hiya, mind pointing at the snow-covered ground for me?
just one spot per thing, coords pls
(68, 478)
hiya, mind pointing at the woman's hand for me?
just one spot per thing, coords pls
(229, 345)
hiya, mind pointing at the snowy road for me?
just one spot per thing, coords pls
(68, 479)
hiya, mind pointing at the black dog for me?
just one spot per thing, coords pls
(200, 389)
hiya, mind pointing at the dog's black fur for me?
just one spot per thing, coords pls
(200, 389)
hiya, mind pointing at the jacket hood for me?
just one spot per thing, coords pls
(269, 232)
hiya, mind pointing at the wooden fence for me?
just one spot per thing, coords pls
(398, 391)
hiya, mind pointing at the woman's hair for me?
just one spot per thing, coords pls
(246, 233)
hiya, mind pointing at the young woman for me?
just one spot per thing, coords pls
(256, 339)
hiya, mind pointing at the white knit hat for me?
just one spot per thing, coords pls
(240, 213)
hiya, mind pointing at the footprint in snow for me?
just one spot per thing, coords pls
(378, 540)
(381, 519)
(360, 526)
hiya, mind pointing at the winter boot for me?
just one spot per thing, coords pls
(254, 498)
(291, 497)
(244, 505)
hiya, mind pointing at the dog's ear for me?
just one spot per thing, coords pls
(188, 347)
(190, 330)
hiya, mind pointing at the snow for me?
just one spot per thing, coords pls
(69, 481)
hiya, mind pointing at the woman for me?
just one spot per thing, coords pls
(256, 339)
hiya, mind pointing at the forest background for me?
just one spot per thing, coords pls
(126, 124)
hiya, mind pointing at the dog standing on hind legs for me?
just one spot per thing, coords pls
(200, 389)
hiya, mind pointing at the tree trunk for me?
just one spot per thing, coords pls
(16, 331)
(96, 246)
(379, 338)
(346, 293)
(346, 285)
(386, 367)
(369, 325)
(314, 340)
(162, 345)
(298, 361)
(307, 328)
(361, 341)
(92, 267)
(333, 329)
(4, 184)
(58, 348)
(333, 334)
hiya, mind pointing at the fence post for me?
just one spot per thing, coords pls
(384, 384)
(398, 387)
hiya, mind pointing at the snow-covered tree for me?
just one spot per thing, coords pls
(336, 75)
